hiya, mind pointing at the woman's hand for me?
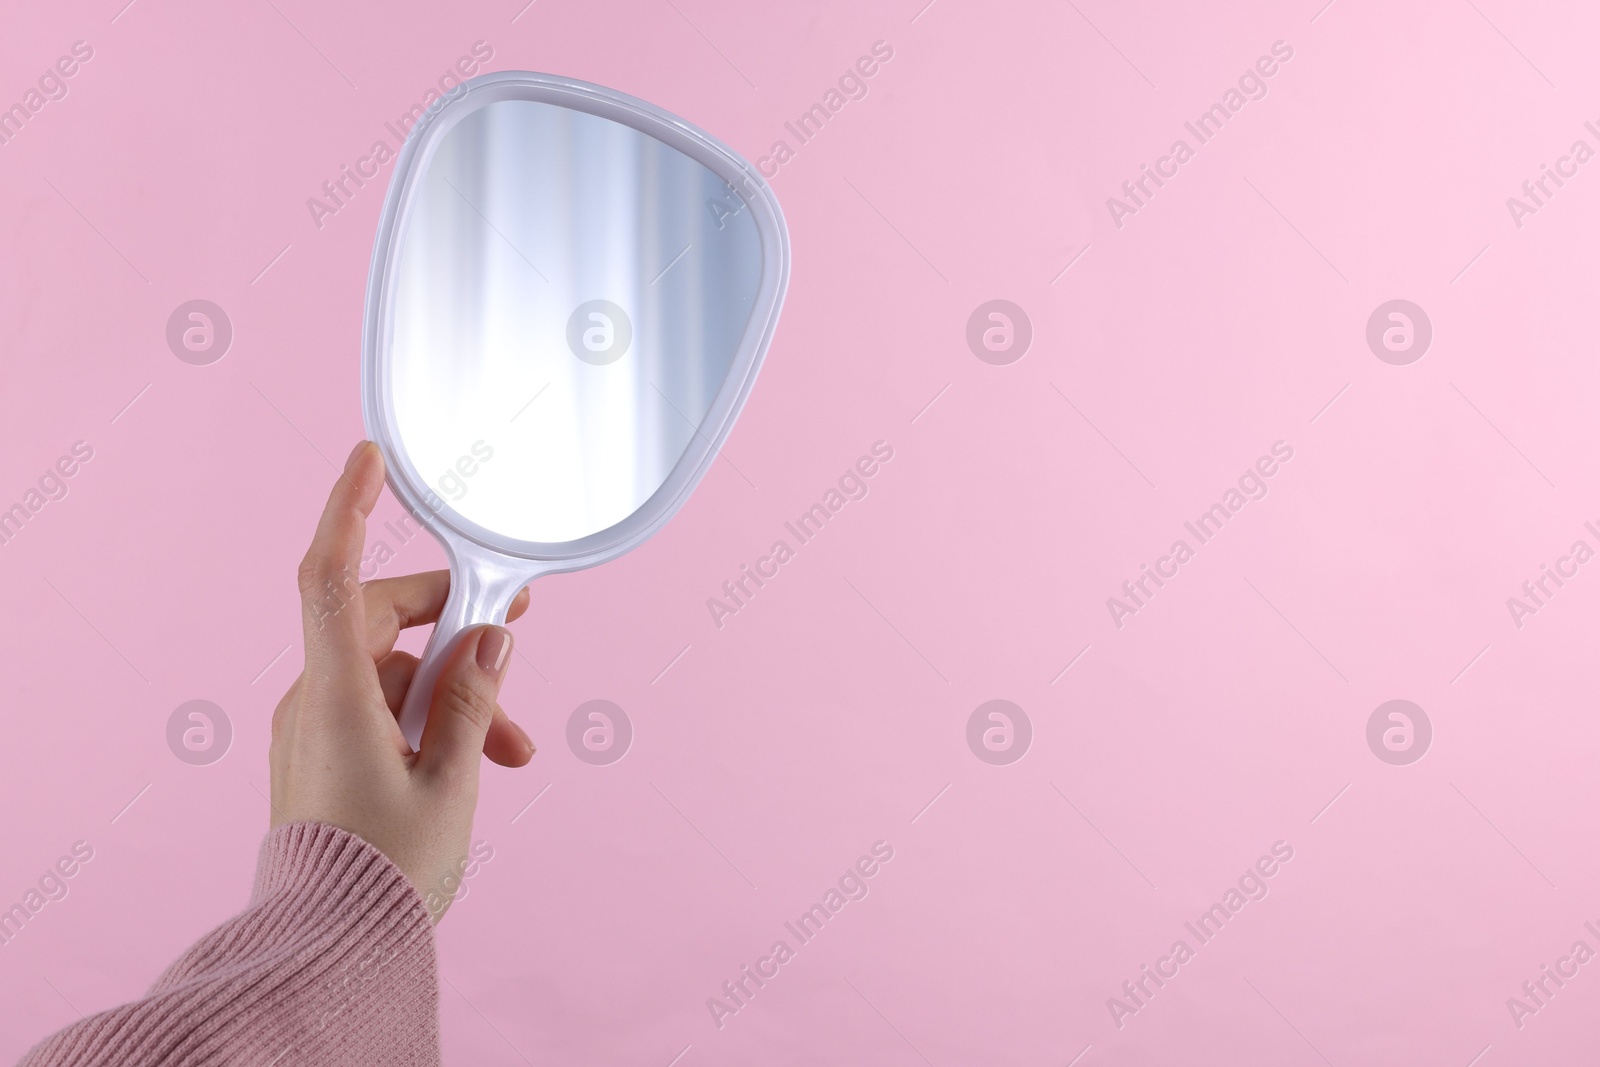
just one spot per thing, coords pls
(337, 753)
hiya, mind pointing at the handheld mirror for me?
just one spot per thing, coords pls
(571, 293)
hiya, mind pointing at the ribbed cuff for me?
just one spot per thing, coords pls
(333, 963)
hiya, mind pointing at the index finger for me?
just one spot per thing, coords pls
(332, 611)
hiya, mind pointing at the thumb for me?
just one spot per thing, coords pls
(464, 700)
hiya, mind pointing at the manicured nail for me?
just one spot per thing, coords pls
(493, 648)
(525, 738)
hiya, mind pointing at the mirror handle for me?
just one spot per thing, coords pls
(482, 587)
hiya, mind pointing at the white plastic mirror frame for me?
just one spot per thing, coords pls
(486, 569)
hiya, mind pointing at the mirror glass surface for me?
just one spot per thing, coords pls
(568, 296)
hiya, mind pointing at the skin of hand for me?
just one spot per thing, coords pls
(337, 753)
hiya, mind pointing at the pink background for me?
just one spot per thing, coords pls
(1222, 317)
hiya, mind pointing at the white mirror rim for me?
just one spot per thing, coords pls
(742, 181)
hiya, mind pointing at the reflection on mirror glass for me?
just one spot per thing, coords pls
(569, 295)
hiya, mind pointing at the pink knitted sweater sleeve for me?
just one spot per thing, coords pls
(331, 964)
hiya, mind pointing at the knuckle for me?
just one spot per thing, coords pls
(310, 576)
(383, 618)
(326, 586)
(463, 699)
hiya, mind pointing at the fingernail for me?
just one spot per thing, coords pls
(493, 648)
(354, 452)
(525, 738)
